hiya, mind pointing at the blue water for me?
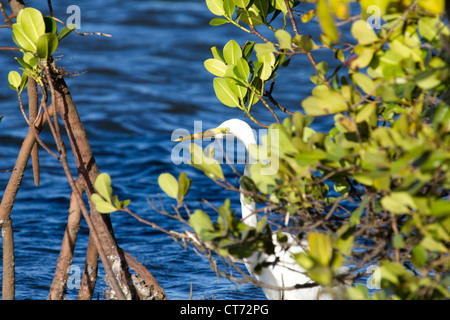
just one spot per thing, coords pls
(131, 90)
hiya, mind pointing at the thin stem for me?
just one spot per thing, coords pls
(50, 8)
(254, 120)
(314, 64)
(274, 102)
(9, 49)
(291, 16)
(21, 108)
(41, 143)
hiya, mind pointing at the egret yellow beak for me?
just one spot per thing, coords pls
(205, 134)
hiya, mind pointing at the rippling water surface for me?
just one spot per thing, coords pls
(131, 90)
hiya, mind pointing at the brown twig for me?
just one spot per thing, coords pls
(33, 114)
(7, 19)
(9, 49)
(50, 7)
(274, 102)
(291, 16)
(59, 283)
(6, 205)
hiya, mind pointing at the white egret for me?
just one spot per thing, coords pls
(283, 272)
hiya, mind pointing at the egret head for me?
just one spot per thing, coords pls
(230, 129)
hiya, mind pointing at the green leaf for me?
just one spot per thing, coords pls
(247, 50)
(24, 82)
(364, 82)
(404, 51)
(168, 184)
(398, 202)
(216, 67)
(305, 43)
(14, 79)
(30, 59)
(200, 222)
(209, 166)
(103, 186)
(363, 59)
(440, 208)
(322, 67)
(268, 61)
(284, 39)
(224, 93)
(120, 204)
(324, 101)
(66, 30)
(419, 256)
(243, 69)
(229, 6)
(23, 63)
(398, 242)
(427, 79)
(264, 48)
(363, 33)
(217, 54)
(232, 52)
(218, 22)
(433, 245)
(280, 5)
(234, 83)
(303, 260)
(241, 3)
(50, 25)
(101, 205)
(22, 39)
(250, 17)
(326, 20)
(216, 7)
(46, 45)
(366, 113)
(184, 184)
(32, 23)
(321, 248)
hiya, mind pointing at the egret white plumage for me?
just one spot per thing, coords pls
(283, 271)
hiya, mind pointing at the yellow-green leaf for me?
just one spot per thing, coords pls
(103, 186)
(46, 45)
(224, 93)
(284, 39)
(326, 20)
(432, 6)
(364, 82)
(321, 248)
(363, 33)
(398, 202)
(168, 184)
(14, 79)
(216, 67)
(232, 52)
(200, 221)
(101, 205)
(216, 7)
(32, 23)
